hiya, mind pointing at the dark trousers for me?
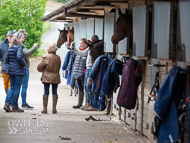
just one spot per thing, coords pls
(80, 84)
(54, 88)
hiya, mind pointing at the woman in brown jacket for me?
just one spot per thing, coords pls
(50, 66)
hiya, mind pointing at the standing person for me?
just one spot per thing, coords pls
(86, 52)
(4, 46)
(50, 66)
(26, 54)
(16, 71)
(79, 71)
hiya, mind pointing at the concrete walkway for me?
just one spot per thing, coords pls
(69, 125)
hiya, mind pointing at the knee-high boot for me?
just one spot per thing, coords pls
(55, 97)
(80, 99)
(45, 103)
(86, 105)
(108, 105)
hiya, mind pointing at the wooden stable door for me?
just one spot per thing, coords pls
(76, 34)
(140, 31)
(122, 47)
(90, 28)
(109, 25)
(162, 30)
(184, 17)
(99, 28)
(82, 29)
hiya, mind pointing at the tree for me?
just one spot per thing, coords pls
(23, 14)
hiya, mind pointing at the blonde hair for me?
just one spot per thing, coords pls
(52, 48)
(16, 38)
(84, 40)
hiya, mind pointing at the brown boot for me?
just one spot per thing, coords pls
(108, 105)
(83, 107)
(45, 103)
(55, 97)
(7, 108)
(90, 108)
(17, 109)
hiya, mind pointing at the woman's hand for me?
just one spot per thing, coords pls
(24, 67)
(36, 45)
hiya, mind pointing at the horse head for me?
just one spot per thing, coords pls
(96, 49)
(62, 37)
(124, 27)
(70, 36)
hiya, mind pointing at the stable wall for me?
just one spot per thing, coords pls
(157, 43)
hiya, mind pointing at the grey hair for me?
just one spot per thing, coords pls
(23, 31)
(16, 38)
(94, 38)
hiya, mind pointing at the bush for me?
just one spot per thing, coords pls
(62, 1)
(40, 53)
(23, 14)
(46, 27)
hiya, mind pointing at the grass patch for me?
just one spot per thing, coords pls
(46, 27)
(62, 1)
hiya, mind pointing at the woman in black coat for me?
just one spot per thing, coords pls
(16, 72)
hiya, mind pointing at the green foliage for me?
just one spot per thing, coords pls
(39, 53)
(46, 27)
(23, 14)
(62, 1)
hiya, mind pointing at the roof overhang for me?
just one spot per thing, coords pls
(89, 8)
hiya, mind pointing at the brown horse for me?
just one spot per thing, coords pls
(70, 36)
(62, 37)
(96, 49)
(124, 27)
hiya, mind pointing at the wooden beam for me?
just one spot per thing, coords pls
(79, 5)
(91, 8)
(83, 15)
(156, 0)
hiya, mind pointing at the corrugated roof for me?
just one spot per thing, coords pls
(60, 10)
(76, 4)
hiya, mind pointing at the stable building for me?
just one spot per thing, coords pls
(160, 36)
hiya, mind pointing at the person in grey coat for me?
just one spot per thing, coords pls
(83, 53)
(26, 54)
(79, 72)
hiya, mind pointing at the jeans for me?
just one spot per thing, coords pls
(88, 88)
(25, 86)
(54, 89)
(94, 100)
(13, 93)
